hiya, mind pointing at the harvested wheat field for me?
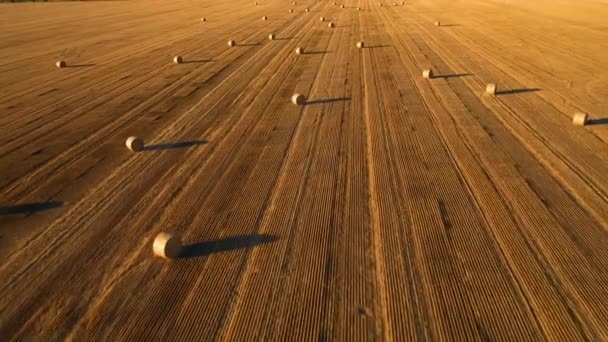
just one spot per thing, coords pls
(159, 184)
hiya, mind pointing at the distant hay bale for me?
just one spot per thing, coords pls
(290, 10)
(437, 23)
(203, 19)
(271, 36)
(331, 25)
(380, 4)
(491, 88)
(294, 3)
(167, 246)
(333, 3)
(322, 19)
(298, 99)
(231, 43)
(403, 2)
(255, 3)
(580, 119)
(264, 18)
(358, 8)
(61, 64)
(394, 4)
(307, 10)
(299, 50)
(178, 59)
(135, 144)
(341, 6)
(428, 74)
(360, 45)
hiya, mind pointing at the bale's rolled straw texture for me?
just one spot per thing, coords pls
(61, 64)
(135, 144)
(167, 246)
(491, 88)
(298, 99)
(428, 74)
(580, 119)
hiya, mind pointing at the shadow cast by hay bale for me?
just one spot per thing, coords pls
(237, 242)
(176, 145)
(517, 91)
(29, 208)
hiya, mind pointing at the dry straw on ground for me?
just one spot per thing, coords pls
(491, 88)
(135, 144)
(580, 119)
(298, 99)
(167, 246)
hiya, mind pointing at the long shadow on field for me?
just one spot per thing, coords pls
(319, 101)
(249, 44)
(377, 46)
(29, 208)
(517, 91)
(317, 52)
(450, 25)
(79, 65)
(446, 76)
(172, 146)
(198, 61)
(236, 242)
(284, 38)
(603, 121)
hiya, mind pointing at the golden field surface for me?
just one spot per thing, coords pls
(387, 207)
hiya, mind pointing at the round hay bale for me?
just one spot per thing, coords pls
(380, 4)
(403, 2)
(294, 3)
(394, 4)
(437, 23)
(428, 74)
(298, 99)
(167, 246)
(580, 119)
(61, 64)
(290, 10)
(307, 10)
(360, 45)
(341, 6)
(491, 88)
(135, 144)
(322, 19)
(178, 59)
(231, 43)
(255, 3)
(331, 25)
(203, 19)
(299, 50)
(264, 18)
(358, 8)
(271, 36)
(333, 3)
